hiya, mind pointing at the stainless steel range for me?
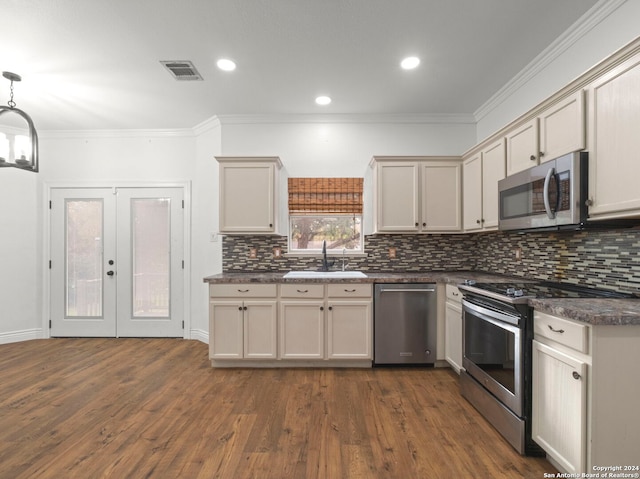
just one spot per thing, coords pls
(497, 335)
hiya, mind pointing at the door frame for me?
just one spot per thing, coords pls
(114, 184)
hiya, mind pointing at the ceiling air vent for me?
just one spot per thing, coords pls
(182, 70)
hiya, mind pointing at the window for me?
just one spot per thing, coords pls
(325, 209)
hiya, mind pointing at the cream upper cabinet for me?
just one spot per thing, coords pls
(481, 173)
(562, 127)
(441, 207)
(397, 196)
(522, 147)
(557, 130)
(417, 195)
(248, 194)
(614, 142)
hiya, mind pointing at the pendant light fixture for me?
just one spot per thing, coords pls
(18, 136)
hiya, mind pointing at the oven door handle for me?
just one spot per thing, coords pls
(504, 321)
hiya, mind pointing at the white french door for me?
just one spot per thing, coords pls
(117, 262)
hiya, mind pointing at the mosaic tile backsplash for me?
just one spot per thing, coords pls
(607, 259)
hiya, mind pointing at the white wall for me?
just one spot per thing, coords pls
(614, 31)
(20, 256)
(206, 255)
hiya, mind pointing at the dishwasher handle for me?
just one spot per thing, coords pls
(408, 290)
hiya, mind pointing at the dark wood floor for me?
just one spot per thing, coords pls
(154, 408)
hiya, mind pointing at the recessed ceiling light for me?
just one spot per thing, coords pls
(226, 65)
(410, 63)
(323, 100)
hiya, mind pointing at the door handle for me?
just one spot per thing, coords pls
(110, 273)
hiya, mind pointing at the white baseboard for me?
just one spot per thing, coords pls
(200, 335)
(24, 335)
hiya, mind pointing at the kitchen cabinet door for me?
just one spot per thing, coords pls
(248, 195)
(522, 147)
(260, 330)
(397, 196)
(614, 142)
(493, 170)
(472, 193)
(349, 330)
(453, 335)
(559, 406)
(441, 208)
(302, 329)
(562, 127)
(226, 329)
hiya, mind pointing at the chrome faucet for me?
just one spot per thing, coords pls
(325, 263)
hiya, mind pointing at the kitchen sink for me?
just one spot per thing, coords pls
(325, 274)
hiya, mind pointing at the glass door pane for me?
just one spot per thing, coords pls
(83, 254)
(151, 242)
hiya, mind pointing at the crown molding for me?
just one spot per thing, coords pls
(581, 27)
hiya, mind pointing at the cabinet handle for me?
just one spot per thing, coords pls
(532, 157)
(555, 330)
(576, 375)
(349, 290)
(455, 294)
(302, 290)
(243, 291)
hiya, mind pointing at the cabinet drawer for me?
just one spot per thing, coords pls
(302, 291)
(453, 293)
(563, 331)
(349, 290)
(242, 290)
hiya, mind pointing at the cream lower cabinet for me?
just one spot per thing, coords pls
(453, 328)
(349, 321)
(559, 406)
(243, 321)
(331, 324)
(585, 393)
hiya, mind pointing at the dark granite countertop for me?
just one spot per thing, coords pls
(452, 277)
(596, 312)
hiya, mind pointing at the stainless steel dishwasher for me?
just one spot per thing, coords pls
(405, 322)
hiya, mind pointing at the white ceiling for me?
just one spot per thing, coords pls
(94, 64)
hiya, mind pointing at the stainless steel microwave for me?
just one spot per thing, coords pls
(548, 196)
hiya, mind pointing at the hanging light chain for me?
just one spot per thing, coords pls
(12, 104)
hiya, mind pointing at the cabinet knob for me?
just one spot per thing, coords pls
(478, 221)
(417, 224)
(321, 308)
(576, 375)
(541, 154)
(270, 225)
(424, 224)
(588, 202)
(482, 220)
(330, 308)
(533, 158)
(239, 308)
